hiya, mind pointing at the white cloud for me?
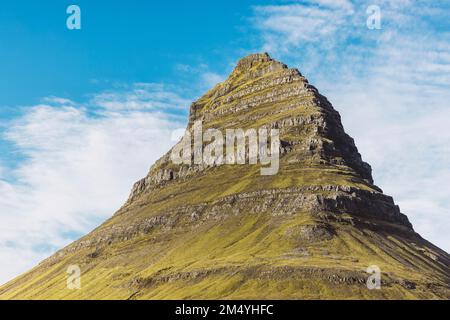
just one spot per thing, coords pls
(210, 79)
(141, 96)
(339, 4)
(200, 74)
(390, 86)
(58, 100)
(291, 26)
(80, 165)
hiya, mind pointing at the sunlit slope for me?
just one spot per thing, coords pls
(245, 253)
(227, 232)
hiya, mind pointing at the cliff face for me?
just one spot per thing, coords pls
(210, 231)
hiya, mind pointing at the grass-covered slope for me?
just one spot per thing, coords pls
(308, 232)
(248, 253)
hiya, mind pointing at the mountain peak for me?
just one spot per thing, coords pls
(250, 74)
(253, 59)
(257, 64)
(264, 92)
(214, 231)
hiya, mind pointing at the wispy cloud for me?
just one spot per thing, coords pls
(390, 85)
(81, 161)
(201, 74)
(286, 27)
(141, 96)
(210, 79)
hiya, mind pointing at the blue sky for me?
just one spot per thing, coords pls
(84, 113)
(119, 41)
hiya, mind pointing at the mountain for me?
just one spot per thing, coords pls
(210, 231)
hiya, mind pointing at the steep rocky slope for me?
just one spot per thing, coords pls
(196, 231)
